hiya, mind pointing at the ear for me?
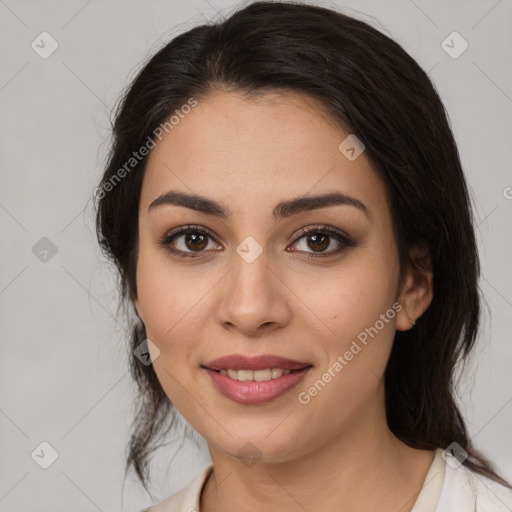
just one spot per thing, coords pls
(417, 290)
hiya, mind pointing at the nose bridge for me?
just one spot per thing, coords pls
(252, 295)
(250, 277)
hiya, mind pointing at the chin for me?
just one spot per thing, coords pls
(249, 448)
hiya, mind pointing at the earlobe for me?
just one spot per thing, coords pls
(404, 322)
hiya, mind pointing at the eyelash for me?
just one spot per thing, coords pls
(344, 240)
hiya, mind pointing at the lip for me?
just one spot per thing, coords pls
(255, 392)
(240, 362)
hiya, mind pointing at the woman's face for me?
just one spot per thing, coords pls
(249, 283)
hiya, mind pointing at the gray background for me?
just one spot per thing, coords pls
(64, 367)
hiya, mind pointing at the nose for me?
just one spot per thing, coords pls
(254, 298)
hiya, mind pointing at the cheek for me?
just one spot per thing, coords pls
(161, 292)
(348, 297)
(170, 319)
(176, 302)
(162, 302)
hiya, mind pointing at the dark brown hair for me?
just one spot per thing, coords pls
(370, 85)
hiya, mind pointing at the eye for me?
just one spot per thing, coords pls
(187, 239)
(319, 238)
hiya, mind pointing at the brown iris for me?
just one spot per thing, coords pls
(321, 245)
(197, 241)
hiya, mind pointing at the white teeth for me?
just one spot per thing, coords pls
(277, 372)
(260, 375)
(256, 375)
(245, 375)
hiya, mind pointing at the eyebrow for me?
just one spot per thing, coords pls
(282, 210)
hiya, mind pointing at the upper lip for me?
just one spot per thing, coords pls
(240, 362)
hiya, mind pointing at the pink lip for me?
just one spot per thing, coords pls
(255, 392)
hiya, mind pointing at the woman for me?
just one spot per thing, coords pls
(285, 204)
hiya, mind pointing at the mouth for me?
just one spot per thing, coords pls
(255, 380)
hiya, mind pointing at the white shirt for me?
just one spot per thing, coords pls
(448, 487)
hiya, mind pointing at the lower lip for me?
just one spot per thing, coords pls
(254, 392)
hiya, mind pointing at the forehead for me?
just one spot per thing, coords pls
(253, 152)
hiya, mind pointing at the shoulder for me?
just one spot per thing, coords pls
(466, 491)
(186, 499)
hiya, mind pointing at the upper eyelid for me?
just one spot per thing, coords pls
(304, 230)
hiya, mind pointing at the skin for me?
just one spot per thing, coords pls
(336, 452)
